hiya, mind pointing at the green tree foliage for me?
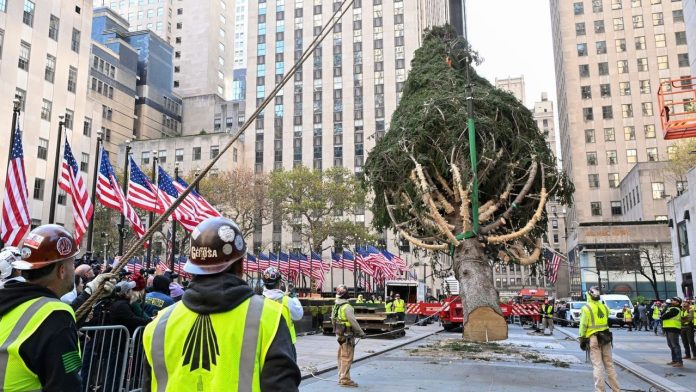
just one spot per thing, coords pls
(683, 160)
(318, 205)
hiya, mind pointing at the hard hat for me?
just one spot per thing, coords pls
(271, 276)
(668, 301)
(341, 290)
(46, 245)
(676, 299)
(216, 243)
(7, 256)
(594, 293)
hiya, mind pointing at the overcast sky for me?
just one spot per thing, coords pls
(514, 38)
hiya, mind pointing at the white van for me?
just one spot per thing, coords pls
(615, 303)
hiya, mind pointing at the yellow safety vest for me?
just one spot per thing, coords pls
(656, 313)
(596, 323)
(627, 315)
(288, 320)
(15, 328)
(211, 352)
(339, 312)
(389, 307)
(399, 306)
(673, 322)
(360, 300)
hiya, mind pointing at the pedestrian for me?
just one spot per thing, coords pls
(628, 318)
(671, 325)
(40, 349)
(643, 317)
(399, 307)
(160, 296)
(657, 322)
(546, 312)
(687, 330)
(594, 335)
(636, 316)
(346, 328)
(292, 308)
(220, 336)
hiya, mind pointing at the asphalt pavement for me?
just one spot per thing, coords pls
(408, 369)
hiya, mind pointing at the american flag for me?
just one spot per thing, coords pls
(361, 259)
(15, 209)
(400, 263)
(71, 182)
(348, 260)
(250, 264)
(141, 192)
(263, 261)
(553, 260)
(111, 196)
(284, 263)
(167, 194)
(336, 260)
(204, 209)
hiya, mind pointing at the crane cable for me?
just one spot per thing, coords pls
(328, 27)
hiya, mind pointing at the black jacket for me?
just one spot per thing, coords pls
(55, 340)
(224, 292)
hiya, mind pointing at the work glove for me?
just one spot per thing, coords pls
(108, 281)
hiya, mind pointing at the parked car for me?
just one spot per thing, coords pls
(616, 303)
(573, 315)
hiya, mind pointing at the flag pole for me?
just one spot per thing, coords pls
(124, 185)
(171, 255)
(151, 217)
(90, 228)
(13, 133)
(56, 171)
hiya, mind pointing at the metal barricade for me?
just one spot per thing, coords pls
(136, 361)
(105, 353)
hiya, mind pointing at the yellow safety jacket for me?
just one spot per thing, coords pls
(339, 311)
(389, 307)
(360, 300)
(211, 352)
(596, 322)
(627, 315)
(15, 328)
(656, 313)
(399, 306)
(673, 322)
(288, 320)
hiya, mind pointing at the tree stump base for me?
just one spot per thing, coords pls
(485, 324)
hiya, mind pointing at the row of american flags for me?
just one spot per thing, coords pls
(141, 194)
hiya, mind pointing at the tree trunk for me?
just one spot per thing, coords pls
(483, 320)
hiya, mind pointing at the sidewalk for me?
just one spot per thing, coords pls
(319, 351)
(645, 355)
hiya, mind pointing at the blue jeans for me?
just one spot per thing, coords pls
(673, 343)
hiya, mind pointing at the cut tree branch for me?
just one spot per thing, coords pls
(518, 200)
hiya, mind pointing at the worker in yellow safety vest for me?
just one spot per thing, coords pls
(656, 316)
(292, 308)
(594, 335)
(628, 317)
(671, 324)
(360, 299)
(346, 329)
(400, 307)
(220, 336)
(39, 349)
(389, 305)
(687, 330)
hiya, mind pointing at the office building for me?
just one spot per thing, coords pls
(157, 16)
(515, 86)
(683, 231)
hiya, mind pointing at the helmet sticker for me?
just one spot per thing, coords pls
(227, 249)
(33, 240)
(202, 252)
(26, 253)
(64, 246)
(226, 233)
(239, 242)
(195, 233)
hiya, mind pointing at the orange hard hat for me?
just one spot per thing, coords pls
(46, 245)
(216, 243)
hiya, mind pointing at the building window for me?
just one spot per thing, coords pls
(671, 152)
(578, 8)
(683, 239)
(644, 86)
(582, 50)
(647, 108)
(652, 154)
(584, 70)
(53, 27)
(84, 162)
(585, 92)
(609, 135)
(660, 41)
(682, 59)
(580, 28)
(680, 37)
(658, 190)
(638, 21)
(162, 156)
(603, 68)
(62, 197)
(618, 24)
(50, 71)
(72, 79)
(214, 151)
(642, 64)
(179, 155)
(624, 88)
(607, 112)
(605, 90)
(596, 208)
(613, 180)
(663, 62)
(616, 208)
(592, 158)
(196, 156)
(75, 41)
(587, 114)
(69, 118)
(612, 157)
(658, 19)
(145, 157)
(640, 43)
(622, 66)
(631, 155)
(24, 54)
(681, 187)
(589, 136)
(678, 15)
(39, 188)
(620, 45)
(42, 152)
(28, 16)
(593, 180)
(649, 131)
(629, 133)
(21, 95)
(627, 110)
(46, 107)
(599, 26)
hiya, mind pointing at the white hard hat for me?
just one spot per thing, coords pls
(8, 255)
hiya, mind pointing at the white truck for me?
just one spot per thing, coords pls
(616, 303)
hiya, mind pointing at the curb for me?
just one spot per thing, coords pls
(638, 371)
(333, 366)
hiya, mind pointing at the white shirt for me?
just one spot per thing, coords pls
(296, 311)
(69, 297)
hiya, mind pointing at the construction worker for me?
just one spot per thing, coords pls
(292, 308)
(360, 299)
(594, 335)
(399, 307)
(628, 317)
(687, 330)
(656, 316)
(671, 325)
(8, 255)
(546, 312)
(40, 349)
(346, 328)
(389, 305)
(220, 336)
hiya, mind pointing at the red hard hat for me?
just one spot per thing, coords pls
(216, 243)
(46, 245)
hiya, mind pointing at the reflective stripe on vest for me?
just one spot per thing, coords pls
(672, 322)
(288, 319)
(212, 352)
(596, 323)
(15, 328)
(399, 306)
